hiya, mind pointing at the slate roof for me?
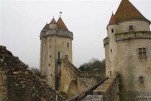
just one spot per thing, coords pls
(112, 20)
(46, 26)
(53, 21)
(126, 11)
(61, 24)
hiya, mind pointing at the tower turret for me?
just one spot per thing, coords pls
(53, 24)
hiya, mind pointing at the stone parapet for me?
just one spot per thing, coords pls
(57, 32)
(133, 35)
(109, 89)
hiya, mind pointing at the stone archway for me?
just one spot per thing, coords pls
(73, 88)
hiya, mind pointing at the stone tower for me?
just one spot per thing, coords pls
(128, 50)
(56, 44)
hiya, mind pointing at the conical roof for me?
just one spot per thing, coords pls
(46, 26)
(53, 21)
(126, 11)
(61, 24)
(112, 20)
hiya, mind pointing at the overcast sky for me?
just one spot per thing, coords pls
(22, 20)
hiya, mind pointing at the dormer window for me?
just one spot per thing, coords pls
(131, 28)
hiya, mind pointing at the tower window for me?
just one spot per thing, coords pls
(110, 73)
(58, 55)
(141, 79)
(68, 45)
(131, 28)
(66, 56)
(142, 53)
(50, 46)
(112, 30)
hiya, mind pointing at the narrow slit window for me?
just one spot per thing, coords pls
(68, 45)
(58, 55)
(112, 30)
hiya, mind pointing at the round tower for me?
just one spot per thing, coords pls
(56, 44)
(112, 28)
(128, 51)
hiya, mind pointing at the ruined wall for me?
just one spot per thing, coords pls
(73, 81)
(68, 73)
(88, 79)
(3, 88)
(109, 89)
(21, 83)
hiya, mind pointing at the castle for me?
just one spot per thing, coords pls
(127, 59)
(56, 61)
(127, 52)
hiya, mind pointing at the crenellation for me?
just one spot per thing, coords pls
(133, 35)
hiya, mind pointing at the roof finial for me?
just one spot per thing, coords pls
(60, 13)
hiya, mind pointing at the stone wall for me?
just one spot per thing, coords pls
(73, 81)
(21, 83)
(3, 88)
(109, 89)
(137, 26)
(134, 71)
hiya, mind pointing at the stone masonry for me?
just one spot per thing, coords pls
(18, 83)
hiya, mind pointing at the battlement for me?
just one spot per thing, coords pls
(129, 36)
(82, 73)
(57, 32)
(133, 35)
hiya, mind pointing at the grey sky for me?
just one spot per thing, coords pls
(22, 20)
